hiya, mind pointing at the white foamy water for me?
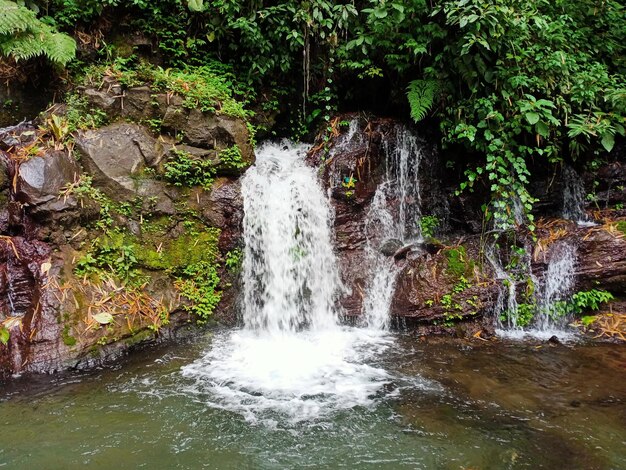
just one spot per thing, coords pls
(292, 359)
(520, 334)
(298, 376)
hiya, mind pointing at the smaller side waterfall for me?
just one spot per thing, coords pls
(574, 197)
(558, 283)
(393, 214)
(543, 312)
(508, 293)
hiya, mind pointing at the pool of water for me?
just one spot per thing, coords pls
(435, 404)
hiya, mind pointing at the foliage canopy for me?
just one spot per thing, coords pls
(515, 82)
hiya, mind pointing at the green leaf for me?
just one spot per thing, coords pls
(608, 141)
(532, 118)
(195, 5)
(542, 129)
(380, 13)
(103, 318)
(4, 335)
(588, 319)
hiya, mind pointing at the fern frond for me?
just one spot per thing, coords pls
(22, 46)
(421, 96)
(15, 18)
(28, 37)
(60, 48)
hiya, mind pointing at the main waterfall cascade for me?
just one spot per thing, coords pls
(292, 357)
(290, 272)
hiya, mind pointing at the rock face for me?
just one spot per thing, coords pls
(445, 286)
(353, 164)
(97, 252)
(199, 129)
(602, 259)
(41, 179)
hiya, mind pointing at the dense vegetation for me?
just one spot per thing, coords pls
(515, 83)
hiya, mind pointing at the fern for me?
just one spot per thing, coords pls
(421, 96)
(23, 36)
(14, 18)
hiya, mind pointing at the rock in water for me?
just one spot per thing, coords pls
(390, 246)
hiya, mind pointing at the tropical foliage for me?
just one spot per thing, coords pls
(516, 83)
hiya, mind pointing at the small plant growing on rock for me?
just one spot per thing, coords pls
(198, 283)
(234, 259)
(187, 170)
(428, 225)
(231, 158)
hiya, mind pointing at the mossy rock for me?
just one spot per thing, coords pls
(158, 249)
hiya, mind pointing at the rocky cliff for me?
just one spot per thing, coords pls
(116, 233)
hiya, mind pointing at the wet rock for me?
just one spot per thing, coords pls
(116, 156)
(601, 259)
(106, 101)
(17, 135)
(410, 249)
(223, 207)
(391, 246)
(4, 174)
(431, 288)
(137, 104)
(25, 302)
(209, 131)
(41, 179)
(554, 340)
(608, 183)
(204, 130)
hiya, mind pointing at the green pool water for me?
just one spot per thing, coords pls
(447, 404)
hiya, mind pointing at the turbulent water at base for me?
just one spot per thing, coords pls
(404, 153)
(292, 361)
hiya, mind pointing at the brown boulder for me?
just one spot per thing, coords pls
(601, 259)
(436, 287)
(41, 179)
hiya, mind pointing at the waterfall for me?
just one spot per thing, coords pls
(574, 197)
(509, 293)
(292, 361)
(290, 271)
(404, 153)
(557, 287)
(547, 303)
